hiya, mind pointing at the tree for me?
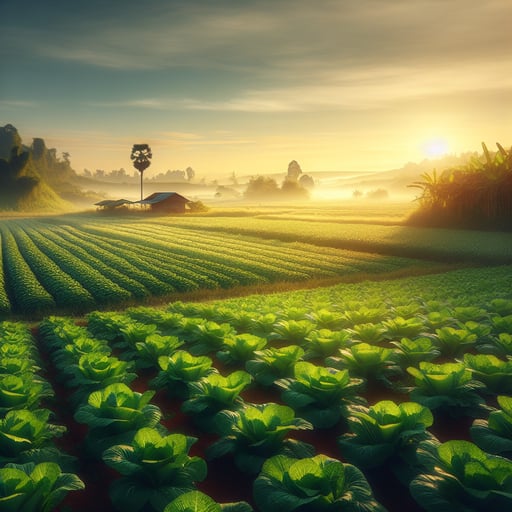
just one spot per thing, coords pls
(294, 171)
(190, 173)
(262, 187)
(141, 157)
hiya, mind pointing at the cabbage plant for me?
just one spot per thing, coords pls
(458, 475)
(155, 468)
(35, 488)
(148, 351)
(114, 414)
(240, 348)
(207, 336)
(453, 342)
(322, 343)
(179, 369)
(411, 352)
(320, 394)
(500, 345)
(213, 393)
(26, 431)
(71, 352)
(197, 501)
(23, 391)
(400, 327)
(291, 331)
(273, 363)
(448, 387)
(256, 432)
(495, 373)
(494, 434)
(384, 431)
(318, 483)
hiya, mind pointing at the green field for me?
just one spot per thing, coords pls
(132, 386)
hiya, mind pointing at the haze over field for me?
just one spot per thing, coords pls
(245, 87)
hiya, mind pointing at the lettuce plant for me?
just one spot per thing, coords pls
(214, 393)
(318, 483)
(320, 394)
(22, 392)
(197, 501)
(114, 414)
(156, 468)
(495, 373)
(154, 346)
(500, 345)
(24, 430)
(324, 342)
(207, 336)
(454, 342)
(367, 361)
(240, 348)
(411, 352)
(291, 331)
(364, 314)
(35, 488)
(257, 432)
(71, 352)
(384, 431)
(17, 366)
(326, 319)
(448, 387)
(134, 332)
(273, 363)
(502, 324)
(399, 327)
(263, 325)
(494, 434)
(179, 369)
(460, 476)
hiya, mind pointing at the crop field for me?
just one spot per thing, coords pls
(77, 264)
(360, 393)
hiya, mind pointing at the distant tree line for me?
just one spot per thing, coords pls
(295, 185)
(122, 176)
(475, 195)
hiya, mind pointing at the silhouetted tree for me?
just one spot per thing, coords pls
(190, 173)
(294, 171)
(141, 157)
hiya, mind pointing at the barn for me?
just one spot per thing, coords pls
(165, 202)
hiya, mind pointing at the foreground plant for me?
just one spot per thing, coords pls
(114, 414)
(240, 348)
(320, 394)
(35, 488)
(460, 476)
(495, 373)
(156, 468)
(257, 432)
(385, 431)
(447, 387)
(494, 434)
(318, 483)
(196, 501)
(411, 352)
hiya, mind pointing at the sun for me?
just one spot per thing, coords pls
(435, 148)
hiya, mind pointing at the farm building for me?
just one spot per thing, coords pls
(112, 204)
(165, 202)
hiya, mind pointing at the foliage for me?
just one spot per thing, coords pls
(460, 476)
(256, 432)
(35, 488)
(318, 483)
(196, 501)
(155, 468)
(495, 373)
(384, 431)
(240, 348)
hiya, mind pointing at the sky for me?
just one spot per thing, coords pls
(246, 86)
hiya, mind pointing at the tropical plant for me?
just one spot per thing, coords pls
(494, 434)
(179, 369)
(320, 394)
(141, 156)
(460, 476)
(385, 431)
(319, 483)
(156, 468)
(256, 432)
(273, 363)
(35, 488)
(240, 348)
(196, 501)
(448, 387)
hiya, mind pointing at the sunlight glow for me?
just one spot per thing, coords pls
(435, 148)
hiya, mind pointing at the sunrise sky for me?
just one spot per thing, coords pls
(246, 86)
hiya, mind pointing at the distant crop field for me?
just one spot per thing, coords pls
(81, 262)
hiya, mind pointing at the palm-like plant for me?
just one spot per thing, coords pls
(141, 156)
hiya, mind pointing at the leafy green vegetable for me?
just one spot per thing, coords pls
(383, 431)
(495, 373)
(318, 483)
(257, 432)
(460, 476)
(324, 342)
(156, 468)
(368, 332)
(448, 387)
(153, 347)
(291, 331)
(454, 342)
(240, 348)
(399, 327)
(411, 352)
(22, 392)
(35, 488)
(320, 394)
(494, 434)
(273, 363)
(196, 501)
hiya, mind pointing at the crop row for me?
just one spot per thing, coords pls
(81, 264)
(349, 387)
